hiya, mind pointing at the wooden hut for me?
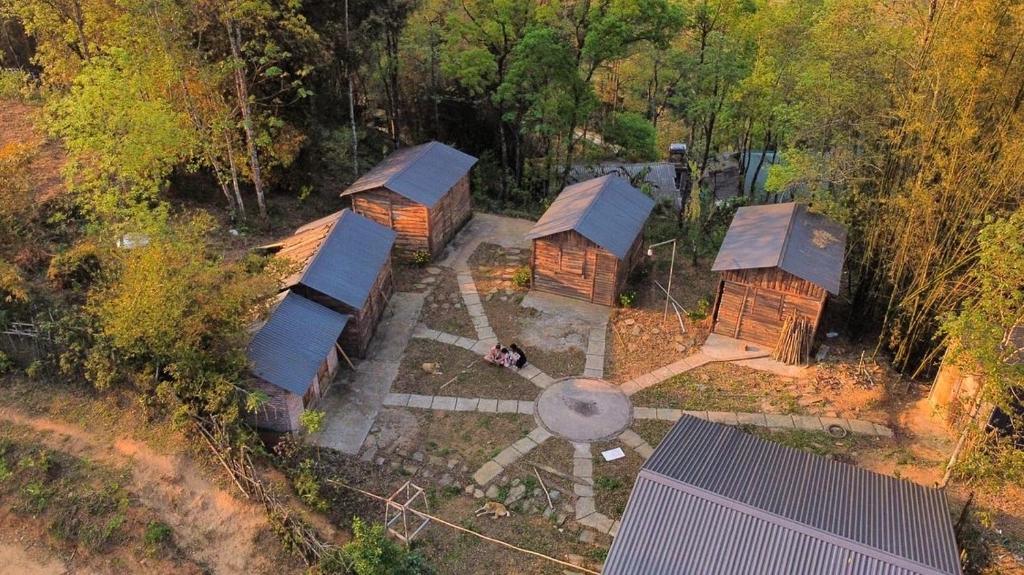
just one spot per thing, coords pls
(293, 357)
(776, 261)
(421, 192)
(343, 262)
(587, 242)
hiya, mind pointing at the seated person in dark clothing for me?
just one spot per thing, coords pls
(519, 355)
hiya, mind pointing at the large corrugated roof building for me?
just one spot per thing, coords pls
(713, 499)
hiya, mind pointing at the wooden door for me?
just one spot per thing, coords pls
(750, 313)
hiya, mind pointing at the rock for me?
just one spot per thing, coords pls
(436, 461)
(469, 489)
(636, 330)
(380, 461)
(418, 286)
(555, 494)
(548, 513)
(516, 481)
(503, 298)
(426, 473)
(418, 456)
(452, 463)
(410, 469)
(629, 321)
(478, 494)
(433, 270)
(431, 368)
(561, 518)
(492, 492)
(680, 348)
(537, 492)
(515, 494)
(369, 454)
(655, 330)
(445, 480)
(429, 280)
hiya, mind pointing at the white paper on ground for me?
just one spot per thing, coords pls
(613, 454)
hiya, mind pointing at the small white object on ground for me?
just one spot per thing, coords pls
(613, 454)
(832, 334)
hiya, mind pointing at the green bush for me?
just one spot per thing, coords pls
(521, 277)
(75, 267)
(307, 485)
(701, 311)
(157, 536)
(12, 83)
(371, 553)
(6, 363)
(421, 257)
(627, 299)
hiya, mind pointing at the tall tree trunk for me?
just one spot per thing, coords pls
(233, 167)
(351, 100)
(242, 93)
(760, 162)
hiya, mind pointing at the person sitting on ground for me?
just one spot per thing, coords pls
(494, 355)
(520, 356)
(506, 357)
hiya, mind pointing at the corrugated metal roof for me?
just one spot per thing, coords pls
(607, 211)
(660, 175)
(421, 173)
(339, 255)
(788, 236)
(289, 347)
(713, 499)
(350, 259)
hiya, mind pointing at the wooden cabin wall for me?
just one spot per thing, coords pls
(409, 219)
(355, 340)
(448, 216)
(753, 304)
(280, 412)
(570, 265)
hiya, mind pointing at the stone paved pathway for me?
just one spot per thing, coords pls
(769, 420)
(559, 415)
(595, 352)
(352, 408)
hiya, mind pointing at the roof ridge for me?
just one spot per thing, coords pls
(787, 235)
(320, 247)
(791, 524)
(607, 178)
(425, 146)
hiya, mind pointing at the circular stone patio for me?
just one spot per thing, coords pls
(583, 409)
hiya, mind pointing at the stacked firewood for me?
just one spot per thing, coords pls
(795, 339)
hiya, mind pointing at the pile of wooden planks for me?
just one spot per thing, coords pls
(795, 339)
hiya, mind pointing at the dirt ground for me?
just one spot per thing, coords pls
(641, 339)
(725, 387)
(472, 376)
(613, 480)
(554, 346)
(213, 529)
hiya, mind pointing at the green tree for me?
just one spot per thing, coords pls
(371, 553)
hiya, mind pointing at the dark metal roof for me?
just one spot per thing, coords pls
(423, 173)
(607, 211)
(660, 175)
(289, 347)
(788, 236)
(350, 259)
(714, 499)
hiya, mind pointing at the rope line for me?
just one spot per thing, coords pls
(469, 531)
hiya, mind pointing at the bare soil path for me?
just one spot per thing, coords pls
(210, 525)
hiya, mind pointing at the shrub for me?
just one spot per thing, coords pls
(634, 133)
(701, 311)
(34, 369)
(371, 553)
(307, 485)
(627, 299)
(75, 267)
(12, 83)
(521, 277)
(6, 363)
(421, 257)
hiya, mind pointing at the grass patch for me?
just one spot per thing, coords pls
(473, 437)
(474, 377)
(652, 430)
(613, 480)
(444, 310)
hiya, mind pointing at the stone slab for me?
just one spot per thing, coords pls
(585, 506)
(466, 403)
(524, 445)
(776, 421)
(752, 419)
(726, 417)
(809, 423)
(539, 435)
(465, 343)
(443, 402)
(669, 414)
(487, 472)
(542, 380)
(397, 399)
(862, 427)
(645, 413)
(526, 407)
(488, 406)
(508, 406)
(420, 401)
(507, 457)
(631, 438)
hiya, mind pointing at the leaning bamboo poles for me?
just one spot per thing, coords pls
(795, 339)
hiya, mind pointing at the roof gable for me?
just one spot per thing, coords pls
(808, 245)
(765, 504)
(289, 347)
(423, 173)
(340, 256)
(607, 211)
